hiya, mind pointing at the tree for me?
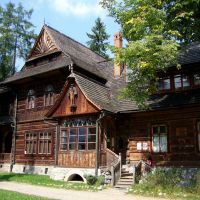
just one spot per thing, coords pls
(98, 38)
(155, 30)
(16, 36)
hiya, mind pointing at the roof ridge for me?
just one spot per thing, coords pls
(74, 40)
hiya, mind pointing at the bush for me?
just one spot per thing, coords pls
(100, 180)
(91, 180)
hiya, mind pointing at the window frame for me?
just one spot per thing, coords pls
(31, 99)
(77, 141)
(45, 140)
(159, 138)
(198, 136)
(32, 141)
(163, 79)
(196, 85)
(182, 87)
(49, 95)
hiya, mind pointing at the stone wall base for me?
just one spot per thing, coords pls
(56, 173)
(5, 167)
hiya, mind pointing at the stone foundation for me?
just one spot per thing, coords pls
(56, 173)
(5, 167)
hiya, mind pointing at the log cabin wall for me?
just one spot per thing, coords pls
(181, 128)
(35, 138)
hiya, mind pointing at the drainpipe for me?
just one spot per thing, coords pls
(14, 126)
(102, 115)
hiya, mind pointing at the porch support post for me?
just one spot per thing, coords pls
(102, 115)
(97, 148)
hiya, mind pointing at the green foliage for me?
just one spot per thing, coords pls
(95, 180)
(91, 180)
(98, 38)
(167, 183)
(8, 195)
(100, 180)
(16, 36)
(154, 30)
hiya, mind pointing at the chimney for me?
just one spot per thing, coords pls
(118, 68)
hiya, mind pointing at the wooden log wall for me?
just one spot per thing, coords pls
(182, 135)
(32, 120)
(34, 159)
(77, 159)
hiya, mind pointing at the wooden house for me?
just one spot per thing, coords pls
(61, 114)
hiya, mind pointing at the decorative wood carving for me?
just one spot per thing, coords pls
(43, 45)
(72, 94)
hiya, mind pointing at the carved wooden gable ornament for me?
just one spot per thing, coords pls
(71, 101)
(43, 45)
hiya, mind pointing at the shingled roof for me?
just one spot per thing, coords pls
(105, 96)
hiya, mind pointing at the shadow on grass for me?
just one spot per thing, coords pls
(10, 176)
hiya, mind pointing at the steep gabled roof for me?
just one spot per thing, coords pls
(51, 66)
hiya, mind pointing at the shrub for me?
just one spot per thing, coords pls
(100, 180)
(91, 180)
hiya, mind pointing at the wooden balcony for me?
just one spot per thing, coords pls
(5, 158)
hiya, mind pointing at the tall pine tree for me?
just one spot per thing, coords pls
(16, 36)
(98, 38)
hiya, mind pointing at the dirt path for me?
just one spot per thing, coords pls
(62, 194)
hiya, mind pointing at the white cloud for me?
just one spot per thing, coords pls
(79, 8)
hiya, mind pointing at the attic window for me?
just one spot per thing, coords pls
(31, 99)
(49, 95)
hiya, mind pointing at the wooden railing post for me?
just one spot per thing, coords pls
(120, 162)
(134, 173)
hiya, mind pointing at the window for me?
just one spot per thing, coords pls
(181, 81)
(198, 128)
(64, 139)
(78, 138)
(91, 138)
(49, 96)
(31, 99)
(44, 143)
(196, 79)
(164, 83)
(30, 143)
(159, 138)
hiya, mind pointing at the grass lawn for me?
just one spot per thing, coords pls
(45, 181)
(9, 195)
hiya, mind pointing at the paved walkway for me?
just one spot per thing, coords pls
(62, 194)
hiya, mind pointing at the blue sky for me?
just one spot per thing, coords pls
(71, 17)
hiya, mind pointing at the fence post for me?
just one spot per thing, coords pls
(134, 173)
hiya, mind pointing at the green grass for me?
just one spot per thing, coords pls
(167, 184)
(8, 195)
(46, 181)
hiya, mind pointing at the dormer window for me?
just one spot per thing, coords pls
(49, 96)
(31, 99)
(181, 81)
(164, 83)
(197, 79)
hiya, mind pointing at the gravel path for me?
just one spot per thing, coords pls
(62, 194)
